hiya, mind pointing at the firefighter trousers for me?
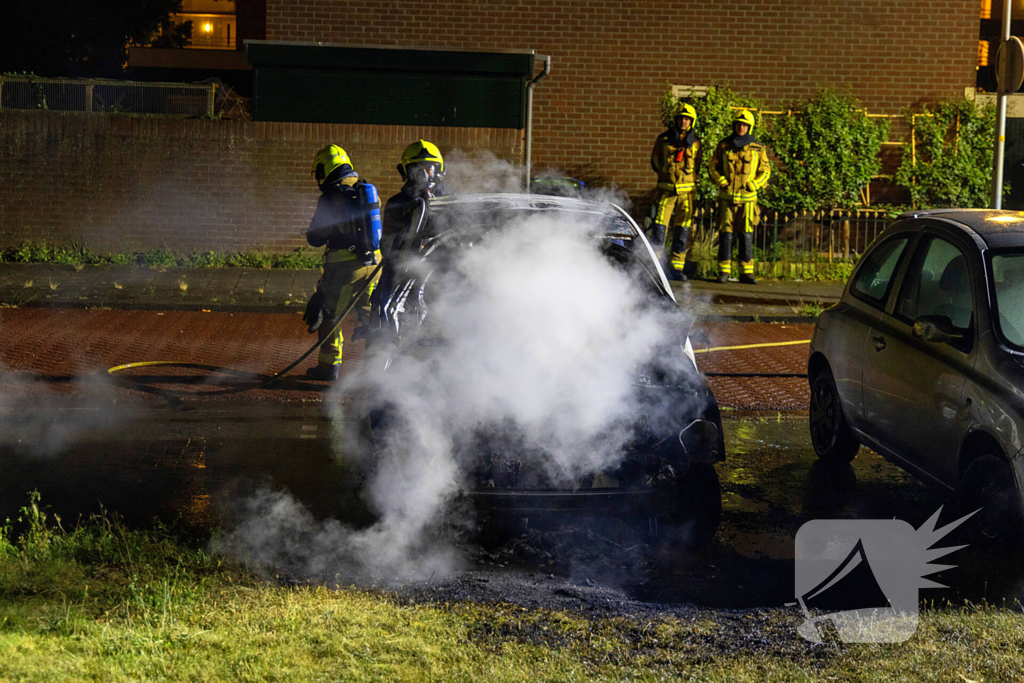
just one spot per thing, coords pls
(673, 218)
(342, 278)
(739, 218)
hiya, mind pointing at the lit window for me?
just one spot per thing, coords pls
(982, 53)
(986, 9)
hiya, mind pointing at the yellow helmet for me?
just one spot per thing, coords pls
(744, 116)
(328, 160)
(686, 110)
(419, 152)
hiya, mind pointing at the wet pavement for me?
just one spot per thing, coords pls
(52, 350)
(191, 467)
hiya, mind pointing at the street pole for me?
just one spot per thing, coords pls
(997, 158)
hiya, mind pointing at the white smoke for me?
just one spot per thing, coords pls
(38, 421)
(531, 326)
(481, 172)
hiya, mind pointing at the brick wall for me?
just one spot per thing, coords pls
(597, 113)
(118, 183)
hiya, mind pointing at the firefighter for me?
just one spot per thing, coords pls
(674, 158)
(740, 168)
(422, 169)
(348, 222)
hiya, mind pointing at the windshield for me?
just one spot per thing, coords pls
(1008, 281)
(460, 226)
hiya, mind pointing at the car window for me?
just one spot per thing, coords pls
(1008, 277)
(873, 277)
(937, 283)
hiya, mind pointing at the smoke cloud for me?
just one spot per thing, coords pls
(530, 332)
(37, 421)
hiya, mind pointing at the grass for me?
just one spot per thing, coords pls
(812, 310)
(100, 601)
(79, 257)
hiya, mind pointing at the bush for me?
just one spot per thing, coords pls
(826, 152)
(951, 165)
(250, 259)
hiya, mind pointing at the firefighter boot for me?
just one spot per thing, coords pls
(747, 259)
(324, 373)
(724, 256)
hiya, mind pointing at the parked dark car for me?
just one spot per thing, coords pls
(665, 477)
(923, 360)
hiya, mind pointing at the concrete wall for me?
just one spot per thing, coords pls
(119, 183)
(597, 113)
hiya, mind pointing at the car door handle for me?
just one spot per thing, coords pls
(879, 342)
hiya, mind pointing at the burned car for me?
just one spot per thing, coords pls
(543, 340)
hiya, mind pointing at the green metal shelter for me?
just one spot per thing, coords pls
(327, 83)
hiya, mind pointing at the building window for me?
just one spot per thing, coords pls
(982, 53)
(213, 23)
(680, 92)
(986, 9)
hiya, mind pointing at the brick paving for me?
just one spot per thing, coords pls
(56, 346)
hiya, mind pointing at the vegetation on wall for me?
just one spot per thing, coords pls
(950, 161)
(826, 151)
(73, 255)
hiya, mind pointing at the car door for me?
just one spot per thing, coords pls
(913, 387)
(846, 328)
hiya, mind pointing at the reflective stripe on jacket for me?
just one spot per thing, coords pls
(675, 164)
(740, 173)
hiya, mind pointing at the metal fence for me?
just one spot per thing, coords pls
(807, 245)
(106, 96)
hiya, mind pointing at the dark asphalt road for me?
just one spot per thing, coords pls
(191, 467)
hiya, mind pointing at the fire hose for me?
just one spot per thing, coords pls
(267, 381)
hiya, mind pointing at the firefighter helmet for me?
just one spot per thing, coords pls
(744, 116)
(328, 160)
(686, 110)
(420, 152)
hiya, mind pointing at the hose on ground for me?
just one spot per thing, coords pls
(267, 381)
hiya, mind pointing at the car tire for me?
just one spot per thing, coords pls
(831, 436)
(697, 511)
(988, 485)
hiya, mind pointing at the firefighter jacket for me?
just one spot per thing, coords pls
(740, 168)
(675, 159)
(342, 222)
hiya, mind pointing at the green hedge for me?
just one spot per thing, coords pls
(41, 252)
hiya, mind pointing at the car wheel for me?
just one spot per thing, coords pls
(988, 486)
(698, 510)
(830, 434)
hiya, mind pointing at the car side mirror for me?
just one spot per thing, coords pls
(699, 336)
(937, 328)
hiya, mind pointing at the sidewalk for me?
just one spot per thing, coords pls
(46, 285)
(767, 301)
(277, 290)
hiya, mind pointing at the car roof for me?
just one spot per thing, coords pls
(508, 201)
(996, 228)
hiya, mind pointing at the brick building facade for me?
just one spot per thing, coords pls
(119, 183)
(598, 110)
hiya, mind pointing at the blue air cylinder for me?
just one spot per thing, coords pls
(374, 229)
